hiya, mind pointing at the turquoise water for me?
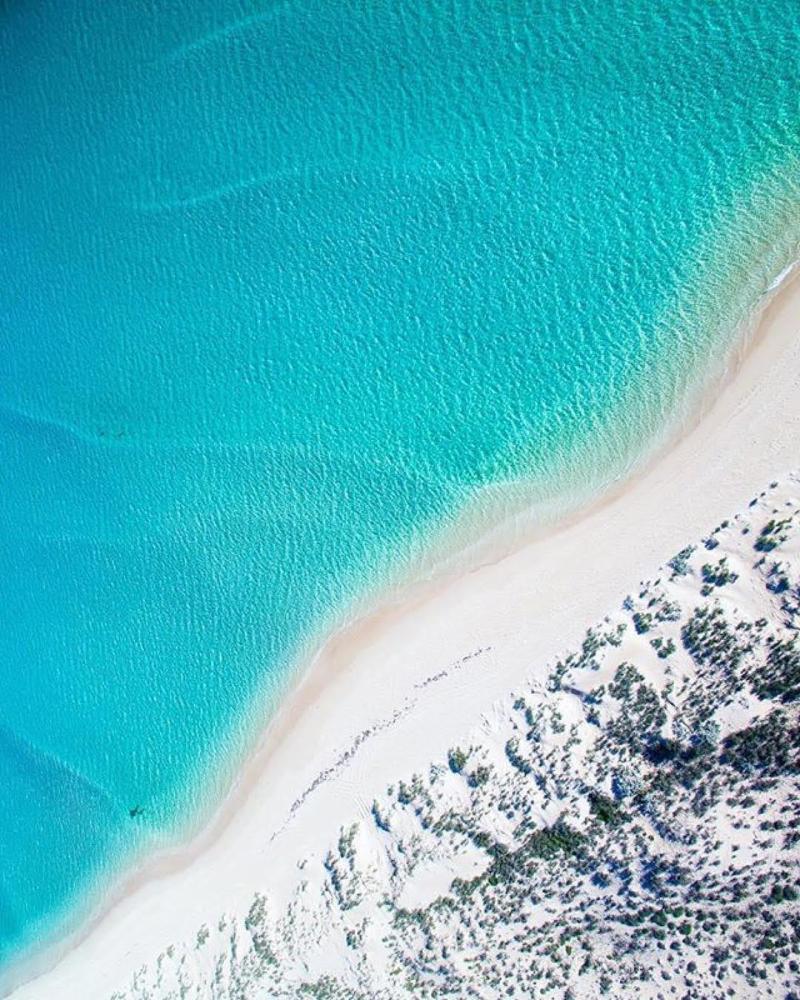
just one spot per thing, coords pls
(283, 286)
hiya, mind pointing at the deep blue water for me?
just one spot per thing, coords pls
(283, 285)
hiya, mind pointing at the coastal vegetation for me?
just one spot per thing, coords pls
(626, 825)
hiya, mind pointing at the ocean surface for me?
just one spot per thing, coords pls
(284, 287)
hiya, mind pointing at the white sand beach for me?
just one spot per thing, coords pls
(399, 687)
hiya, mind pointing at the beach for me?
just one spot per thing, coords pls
(331, 332)
(397, 687)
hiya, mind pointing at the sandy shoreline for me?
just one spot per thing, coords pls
(518, 609)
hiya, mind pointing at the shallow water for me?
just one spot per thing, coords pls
(283, 286)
